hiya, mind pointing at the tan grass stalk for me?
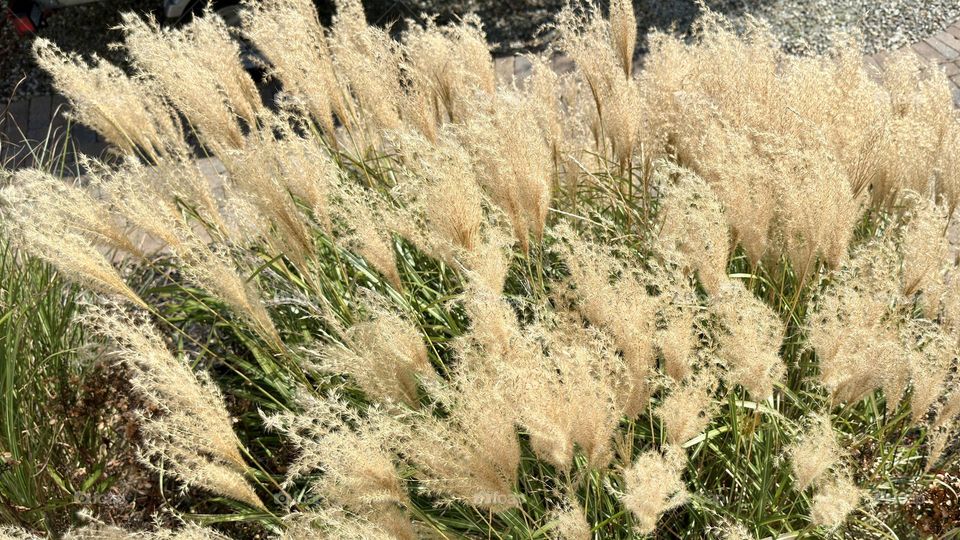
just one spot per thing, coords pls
(834, 502)
(653, 484)
(815, 453)
(199, 69)
(385, 356)
(289, 35)
(192, 437)
(125, 111)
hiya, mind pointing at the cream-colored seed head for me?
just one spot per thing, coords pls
(386, 356)
(193, 438)
(73, 255)
(688, 409)
(566, 401)
(512, 160)
(336, 523)
(653, 485)
(448, 64)
(571, 523)
(834, 501)
(289, 35)
(925, 246)
(623, 309)
(41, 196)
(219, 92)
(815, 453)
(749, 340)
(128, 113)
(100, 531)
(694, 225)
(346, 456)
(623, 32)
(367, 62)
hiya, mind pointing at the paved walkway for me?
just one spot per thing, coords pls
(35, 129)
(942, 48)
(38, 127)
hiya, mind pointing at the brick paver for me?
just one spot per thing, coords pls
(942, 48)
(40, 122)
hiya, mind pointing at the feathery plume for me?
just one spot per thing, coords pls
(100, 531)
(438, 182)
(214, 271)
(623, 32)
(58, 243)
(571, 522)
(834, 501)
(749, 340)
(815, 453)
(688, 409)
(259, 172)
(472, 454)
(367, 62)
(385, 355)
(565, 399)
(653, 485)
(347, 456)
(512, 161)
(623, 309)
(339, 524)
(219, 92)
(305, 69)
(39, 196)
(931, 357)
(695, 227)
(925, 245)
(125, 111)
(193, 435)
(362, 214)
(448, 64)
(852, 329)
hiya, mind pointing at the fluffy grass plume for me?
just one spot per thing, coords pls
(710, 297)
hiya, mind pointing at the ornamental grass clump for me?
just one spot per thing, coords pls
(715, 293)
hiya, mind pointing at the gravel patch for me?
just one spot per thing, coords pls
(806, 26)
(803, 26)
(86, 29)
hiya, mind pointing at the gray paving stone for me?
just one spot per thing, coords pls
(503, 67)
(15, 121)
(926, 51)
(522, 68)
(39, 121)
(949, 39)
(947, 53)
